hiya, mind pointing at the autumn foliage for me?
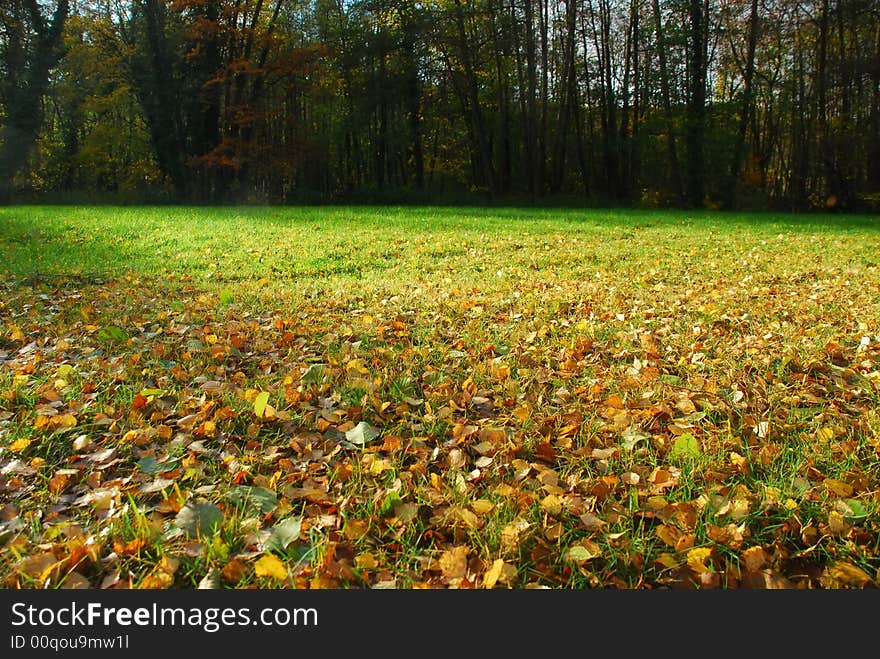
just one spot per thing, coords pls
(493, 410)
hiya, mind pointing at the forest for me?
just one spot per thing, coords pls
(452, 294)
(748, 104)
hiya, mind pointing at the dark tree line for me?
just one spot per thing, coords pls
(692, 103)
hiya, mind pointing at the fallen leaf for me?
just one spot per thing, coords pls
(361, 434)
(198, 518)
(686, 446)
(696, 559)
(453, 563)
(252, 499)
(844, 574)
(211, 581)
(284, 532)
(260, 403)
(754, 558)
(837, 487)
(583, 552)
(272, 567)
(162, 576)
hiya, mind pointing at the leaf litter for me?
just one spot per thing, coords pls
(682, 431)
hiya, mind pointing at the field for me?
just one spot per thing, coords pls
(438, 397)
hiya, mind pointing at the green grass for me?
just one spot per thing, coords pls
(529, 373)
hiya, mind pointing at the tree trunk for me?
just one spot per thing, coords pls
(531, 146)
(568, 98)
(672, 150)
(25, 89)
(746, 110)
(696, 109)
(874, 144)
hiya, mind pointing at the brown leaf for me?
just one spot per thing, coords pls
(162, 576)
(34, 566)
(755, 558)
(674, 537)
(838, 488)
(843, 574)
(234, 571)
(75, 581)
(765, 579)
(453, 563)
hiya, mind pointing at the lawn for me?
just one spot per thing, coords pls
(438, 397)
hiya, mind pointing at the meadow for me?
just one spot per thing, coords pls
(366, 397)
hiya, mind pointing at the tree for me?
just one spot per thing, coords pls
(698, 19)
(29, 47)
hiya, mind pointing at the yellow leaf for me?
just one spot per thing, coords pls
(667, 560)
(260, 403)
(271, 566)
(522, 412)
(65, 421)
(836, 523)
(356, 366)
(825, 434)
(379, 466)
(739, 509)
(130, 436)
(696, 559)
(493, 574)
(157, 581)
(16, 333)
(668, 534)
(482, 506)
(552, 504)
(502, 490)
(19, 445)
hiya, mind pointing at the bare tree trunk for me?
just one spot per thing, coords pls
(545, 72)
(672, 150)
(822, 103)
(874, 145)
(478, 124)
(504, 142)
(747, 110)
(568, 98)
(696, 110)
(531, 101)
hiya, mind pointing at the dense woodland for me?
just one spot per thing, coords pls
(687, 103)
